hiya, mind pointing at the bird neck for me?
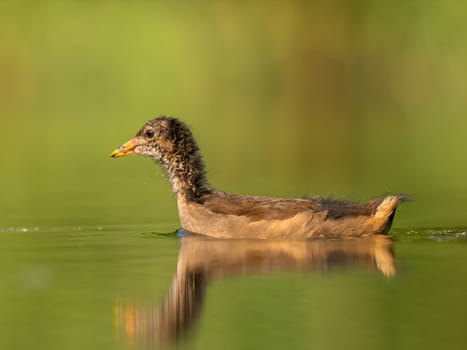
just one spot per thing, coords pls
(187, 175)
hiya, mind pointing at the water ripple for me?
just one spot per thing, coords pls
(432, 234)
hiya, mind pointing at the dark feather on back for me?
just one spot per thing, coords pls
(266, 208)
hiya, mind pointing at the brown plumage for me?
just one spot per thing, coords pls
(204, 210)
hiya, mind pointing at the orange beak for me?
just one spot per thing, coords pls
(126, 149)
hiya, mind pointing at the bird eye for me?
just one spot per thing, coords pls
(149, 134)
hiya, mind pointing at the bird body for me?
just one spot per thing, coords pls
(206, 211)
(222, 215)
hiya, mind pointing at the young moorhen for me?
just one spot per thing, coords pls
(204, 210)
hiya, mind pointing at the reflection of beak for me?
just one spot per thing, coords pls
(126, 149)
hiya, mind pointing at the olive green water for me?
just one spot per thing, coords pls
(337, 98)
(100, 287)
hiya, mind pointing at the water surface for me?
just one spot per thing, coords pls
(126, 287)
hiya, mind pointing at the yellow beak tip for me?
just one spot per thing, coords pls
(125, 150)
(116, 153)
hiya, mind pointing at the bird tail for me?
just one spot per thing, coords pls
(387, 209)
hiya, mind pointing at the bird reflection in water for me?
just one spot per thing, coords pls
(202, 260)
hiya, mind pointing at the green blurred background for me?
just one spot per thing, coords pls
(286, 98)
